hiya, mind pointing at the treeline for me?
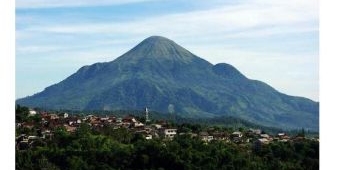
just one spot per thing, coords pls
(222, 121)
(120, 149)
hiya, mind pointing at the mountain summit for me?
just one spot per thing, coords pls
(158, 47)
(158, 73)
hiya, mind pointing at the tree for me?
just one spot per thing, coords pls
(21, 114)
(23, 160)
(44, 164)
(122, 135)
(84, 130)
(76, 162)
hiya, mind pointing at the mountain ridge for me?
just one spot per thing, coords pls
(158, 72)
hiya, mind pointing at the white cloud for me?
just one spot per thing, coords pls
(69, 3)
(252, 18)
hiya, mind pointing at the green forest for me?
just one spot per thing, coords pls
(120, 149)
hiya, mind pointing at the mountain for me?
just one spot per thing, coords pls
(160, 74)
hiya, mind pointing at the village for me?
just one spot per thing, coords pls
(45, 123)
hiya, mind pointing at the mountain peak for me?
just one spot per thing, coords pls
(159, 48)
(157, 38)
(158, 43)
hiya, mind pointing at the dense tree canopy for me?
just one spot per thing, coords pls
(124, 150)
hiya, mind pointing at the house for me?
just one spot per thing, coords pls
(65, 115)
(45, 116)
(138, 124)
(236, 134)
(119, 120)
(95, 122)
(28, 125)
(129, 119)
(70, 128)
(53, 116)
(236, 137)
(205, 136)
(148, 137)
(266, 136)
(252, 133)
(203, 133)
(30, 138)
(90, 118)
(157, 126)
(144, 132)
(73, 121)
(262, 141)
(32, 112)
(219, 135)
(22, 137)
(103, 119)
(47, 134)
(283, 136)
(111, 119)
(169, 133)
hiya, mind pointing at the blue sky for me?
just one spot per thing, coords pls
(273, 41)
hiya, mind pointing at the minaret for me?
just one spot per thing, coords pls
(147, 115)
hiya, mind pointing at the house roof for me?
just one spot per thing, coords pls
(264, 135)
(263, 140)
(236, 133)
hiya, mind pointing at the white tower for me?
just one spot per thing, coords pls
(147, 115)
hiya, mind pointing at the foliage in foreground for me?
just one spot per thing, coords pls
(120, 149)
